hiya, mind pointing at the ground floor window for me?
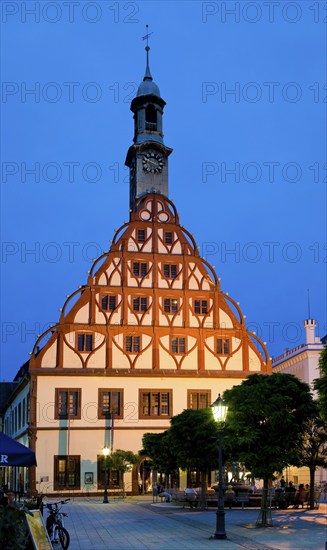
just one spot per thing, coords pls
(67, 472)
(113, 477)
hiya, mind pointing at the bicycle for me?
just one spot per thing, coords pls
(55, 524)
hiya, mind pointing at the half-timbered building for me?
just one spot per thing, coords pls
(150, 334)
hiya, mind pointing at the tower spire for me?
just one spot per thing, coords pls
(147, 75)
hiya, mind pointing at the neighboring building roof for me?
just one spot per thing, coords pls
(6, 389)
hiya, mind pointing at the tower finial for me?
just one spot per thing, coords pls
(147, 75)
(309, 313)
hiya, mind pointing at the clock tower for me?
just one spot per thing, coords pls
(147, 158)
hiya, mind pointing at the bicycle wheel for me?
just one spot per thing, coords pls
(64, 537)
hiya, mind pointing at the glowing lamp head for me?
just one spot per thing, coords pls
(105, 451)
(219, 410)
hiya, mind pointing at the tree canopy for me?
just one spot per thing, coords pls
(266, 421)
(320, 384)
(158, 448)
(122, 460)
(194, 439)
(313, 452)
(190, 442)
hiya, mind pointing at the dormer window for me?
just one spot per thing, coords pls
(151, 118)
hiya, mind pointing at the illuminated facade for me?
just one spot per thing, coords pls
(149, 335)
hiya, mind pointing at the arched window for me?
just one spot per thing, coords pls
(151, 118)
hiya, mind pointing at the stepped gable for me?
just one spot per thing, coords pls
(150, 295)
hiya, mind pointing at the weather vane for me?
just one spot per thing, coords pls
(146, 37)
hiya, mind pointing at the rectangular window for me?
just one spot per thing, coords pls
(140, 269)
(223, 346)
(170, 271)
(141, 235)
(113, 476)
(108, 303)
(200, 307)
(170, 305)
(67, 403)
(140, 304)
(198, 399)
(110, 402)
(155, 403)
(85, 342)
(28, 407)
(132, 344)
(67, 472)
(168, 237)
(19, 416)
(24, 412)
(178, 345)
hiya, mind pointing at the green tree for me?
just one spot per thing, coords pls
(314, 450)
(158, 448)
(122, 461)
(320, 384)
(265, 425)
(194, 441)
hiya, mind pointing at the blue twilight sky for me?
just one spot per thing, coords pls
(245, 87)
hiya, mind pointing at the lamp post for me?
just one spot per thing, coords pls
(105, 452)
(219, 410)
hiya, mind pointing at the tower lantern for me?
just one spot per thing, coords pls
(147, 158)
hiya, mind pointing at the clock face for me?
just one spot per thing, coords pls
(152, 162)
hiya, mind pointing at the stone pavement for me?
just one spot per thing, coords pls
(135, 523)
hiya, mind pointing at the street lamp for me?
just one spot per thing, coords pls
(105, 452)
(219, 410)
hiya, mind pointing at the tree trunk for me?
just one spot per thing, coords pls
(312, 487)
(264, 518)
(203, 490)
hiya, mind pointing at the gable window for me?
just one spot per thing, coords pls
(155, 403)
(140, 269)
(140, 304)
(198, 399)
(170, 271)
(132, 344)
(223, 346)
(170, 305)
(141, 235)
(67, 472)
(110, 402)
(200, 306)
(108, 303)
(168, 237)
(67, 403)
(178, 345)
(85, 342)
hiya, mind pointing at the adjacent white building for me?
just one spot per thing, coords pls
(303, 362)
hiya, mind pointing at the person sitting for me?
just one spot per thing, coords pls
(162, 493)
(229, 496)
(191, 496)
(300, 496)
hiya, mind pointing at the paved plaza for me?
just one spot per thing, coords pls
(136, 523)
